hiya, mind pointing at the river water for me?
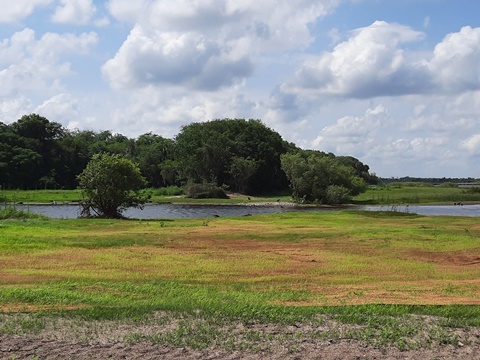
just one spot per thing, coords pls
(173, 211)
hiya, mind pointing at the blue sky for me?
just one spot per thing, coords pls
(395, 83)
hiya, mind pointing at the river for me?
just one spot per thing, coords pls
(173, 211)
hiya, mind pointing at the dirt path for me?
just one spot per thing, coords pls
(26, 347)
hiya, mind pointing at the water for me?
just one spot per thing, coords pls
(173, 211)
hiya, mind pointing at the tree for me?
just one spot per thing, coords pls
(321, 178)
(110, 184)
(154, 155)
(241, 171)
(215, 151)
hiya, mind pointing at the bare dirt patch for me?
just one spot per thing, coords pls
(287, 342)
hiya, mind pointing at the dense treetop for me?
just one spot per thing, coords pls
(243, 155)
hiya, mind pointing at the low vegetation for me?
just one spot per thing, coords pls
(389, 195)
(383, 279)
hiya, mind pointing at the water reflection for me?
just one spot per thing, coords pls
(173, 211)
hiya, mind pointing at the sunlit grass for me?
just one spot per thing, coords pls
(372, 269)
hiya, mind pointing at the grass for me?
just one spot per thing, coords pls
(172, 194)
(214, 282)
(389, 195)
(416, 195)
(40, 196)
(11, 213)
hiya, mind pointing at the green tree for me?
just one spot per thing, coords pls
(154, 155)
(241, 170)
(321, 178)
(110, 184)
(214, 151)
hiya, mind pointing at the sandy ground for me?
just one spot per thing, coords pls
(23, 347)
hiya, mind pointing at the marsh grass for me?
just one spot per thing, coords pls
(372, 276)
(40, 196)
(12, 213)
(416, 195)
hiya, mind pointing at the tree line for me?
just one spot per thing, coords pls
(242, 155)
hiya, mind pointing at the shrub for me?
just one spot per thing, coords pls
(205, 191)
(337, 195)
(168, 191)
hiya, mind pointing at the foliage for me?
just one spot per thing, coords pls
(167, 191)
(244, 155)
(218, 151)
(110, 184)
(321, 178)
(205, 191)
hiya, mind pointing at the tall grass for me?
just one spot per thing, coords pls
(416, 195)
(40, 196)
(10, 212)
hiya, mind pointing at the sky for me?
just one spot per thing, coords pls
(394, 83)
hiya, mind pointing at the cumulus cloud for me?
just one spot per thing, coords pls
(206, 44)
(472, 144)
(164, 113)
(36, 67)
(455, 61)
(37, 64)
(74, 11)
(185, 59)
(61, 108)
(279, 24)
(353, 134)
(374, 62)
(370, 63)
(13, 11)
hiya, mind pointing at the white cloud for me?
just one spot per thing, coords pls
(13, 11)
(185, 59)
(74, 11)
(32, 69)
(353, 134)
(32, 64)
(276, 24)
(60, 108)
(472, 144)
(150, 109)
(454, 66)
(370, 63)
(205, 44)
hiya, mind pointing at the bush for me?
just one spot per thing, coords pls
(167, 191)
(338, 195)
(205, 191)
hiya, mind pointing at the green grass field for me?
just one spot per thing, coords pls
(377, 271)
